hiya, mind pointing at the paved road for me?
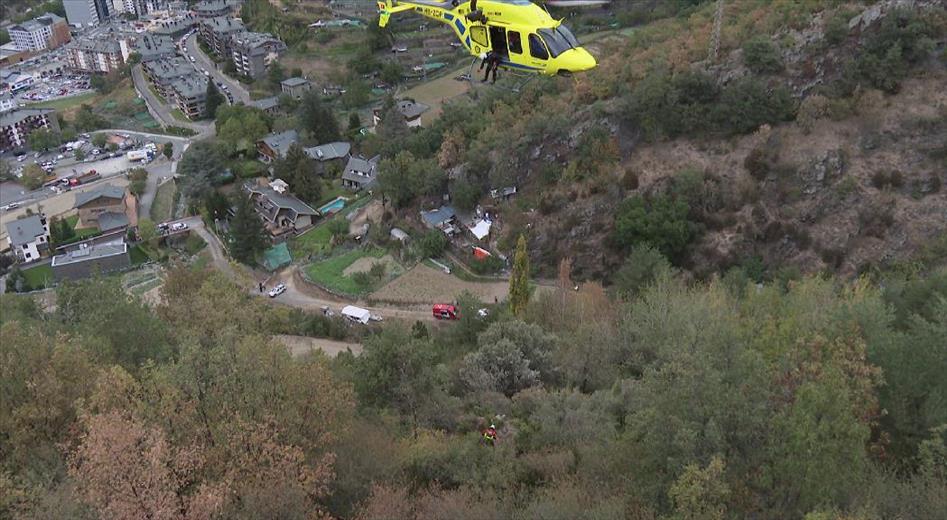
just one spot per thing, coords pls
(164, 110)
(203, 61)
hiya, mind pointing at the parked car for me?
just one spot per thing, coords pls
(276, 291)
(178, 226)
(444, 311)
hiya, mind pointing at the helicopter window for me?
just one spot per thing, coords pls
(537, 49)
(515, 43)
(556, 42)
(567, 34)
(479, 36)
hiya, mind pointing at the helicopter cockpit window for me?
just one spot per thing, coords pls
(557, 43)
(567, 34)
(536, 48)
(479, 36)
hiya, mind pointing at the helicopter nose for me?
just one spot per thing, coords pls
(583, 60)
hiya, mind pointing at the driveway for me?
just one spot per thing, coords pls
(203, 61)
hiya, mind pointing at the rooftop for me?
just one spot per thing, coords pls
(409, 109)
(249, 41)
(294, 82)
(283, 200)
(109, 191)
(266, 103)
(167, 69)
(436, 217)
(149, 45)
(109, 221)
(281, 142)
(25, 230)
(92, 252)
(37, 23)
(329, 151)
(224, 24)
(190, 86)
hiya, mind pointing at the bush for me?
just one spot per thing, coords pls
(660, 223)
(432, 244)
(836, 29)
(761, 56)
(903, 40)
(629, 180)
(640, 269)
(747, 104)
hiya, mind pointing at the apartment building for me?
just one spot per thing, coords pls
(16, 125)
(253, 52)
(162, 73)
(41, 33)
(215, 8)
(153, 47)
(190, 94)
(86, 13)
(97, 53)
(217, 32)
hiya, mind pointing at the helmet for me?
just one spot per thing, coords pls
(492, 426)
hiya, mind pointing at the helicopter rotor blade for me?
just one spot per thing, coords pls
(577, 3)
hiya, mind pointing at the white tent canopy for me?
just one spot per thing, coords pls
(481, 229)
(356, 313)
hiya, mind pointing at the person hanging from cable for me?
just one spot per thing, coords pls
(490, 435)
(492, 62)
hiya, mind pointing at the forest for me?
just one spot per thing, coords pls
(815, 398)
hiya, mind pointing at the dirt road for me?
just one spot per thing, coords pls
(302, 345)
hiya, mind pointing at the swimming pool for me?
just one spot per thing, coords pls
(333, 207)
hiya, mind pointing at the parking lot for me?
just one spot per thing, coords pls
(54, 87)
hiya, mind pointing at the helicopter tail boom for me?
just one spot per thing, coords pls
(386, 9)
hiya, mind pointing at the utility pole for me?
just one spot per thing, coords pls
(715, 35)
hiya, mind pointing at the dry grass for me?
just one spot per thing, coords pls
(425, 285)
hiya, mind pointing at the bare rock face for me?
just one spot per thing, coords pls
(822, 170)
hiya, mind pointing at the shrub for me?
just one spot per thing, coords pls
(629, 180)
(903, 40)
(660, 222)
(640, 269)
(761, 56)
(747, 104)
(432, 244)
(836, 28)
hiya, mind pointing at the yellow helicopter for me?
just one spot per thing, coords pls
(523, 35)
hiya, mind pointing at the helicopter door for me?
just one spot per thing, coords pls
(537, 49)
(480, 42)
(498, 37)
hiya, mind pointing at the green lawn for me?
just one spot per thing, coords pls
(316, 240)
(138, 255)
(37, 277)
(82, 233)
(66, 103)
(311, 242)
(329, 273)
(180, 115)
(164, 198)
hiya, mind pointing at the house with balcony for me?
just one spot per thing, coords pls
(253, 52)
(28, 237)
(360, 173)
(281, 212)
(107, 208)
(217, 32)
(276, 146)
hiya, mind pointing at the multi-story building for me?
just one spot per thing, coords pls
(164, 72)
(98, 53)
(86, 13)
(28, 236)
(143, 7)
(215, 8)
(13, 80)
(7, 102)
(217, 32)
(295, 87)
(190, 94)
(43, 32)
(174, 28)
(16, 125)
(106, 208)
(253, 52)
(153, 47)
(117, 7)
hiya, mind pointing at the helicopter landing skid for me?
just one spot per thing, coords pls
(520, 79)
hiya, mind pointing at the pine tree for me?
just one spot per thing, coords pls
(249, 237)
(213, 99)
(298, 171)
(519, 280)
